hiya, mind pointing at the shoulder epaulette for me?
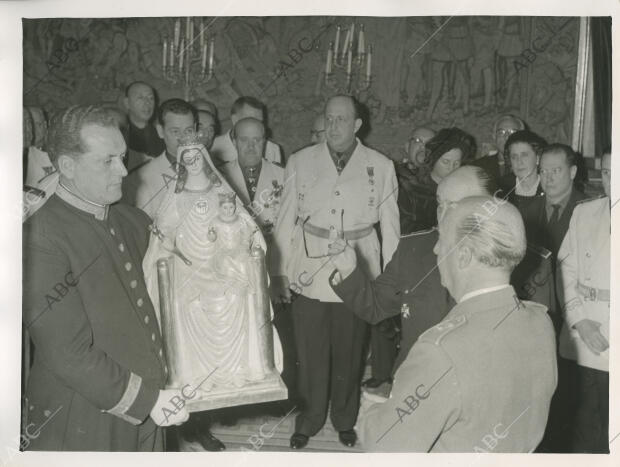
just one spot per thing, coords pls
(539, 250)
(441, 330)
(581, 201)
(418, 232)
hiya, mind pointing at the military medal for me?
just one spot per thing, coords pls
(404, 310)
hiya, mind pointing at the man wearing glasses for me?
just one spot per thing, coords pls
(336, 189)
(493, 159)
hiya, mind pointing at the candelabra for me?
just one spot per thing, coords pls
(349, 69)
(181, 61)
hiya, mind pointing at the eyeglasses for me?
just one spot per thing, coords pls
(505, 131)
(303, 232)
(554, 171)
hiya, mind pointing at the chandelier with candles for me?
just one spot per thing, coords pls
(187, 54)
(348, 68)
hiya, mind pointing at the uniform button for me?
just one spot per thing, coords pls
(337, 193)
(146, 319)
(588, 254)
(112, 232)
(333, 211)
(121, 247)
(161, 353)
(153, 337)
(331, 227)
(140, 302)
(128, 266)
(133, 284)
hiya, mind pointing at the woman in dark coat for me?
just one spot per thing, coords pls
(417, 186)
(522, 184)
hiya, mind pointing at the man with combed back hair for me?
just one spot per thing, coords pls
(99, 371)
(482, 379)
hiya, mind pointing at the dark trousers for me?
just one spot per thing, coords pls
(579, 413)
(329, 341)
(383, 348)
(591, 428)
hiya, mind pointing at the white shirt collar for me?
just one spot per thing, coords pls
(475, 293)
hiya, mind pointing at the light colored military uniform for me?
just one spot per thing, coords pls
(362, 195)
(479, 381)
(329, 337)
(585, 261)
(146, 187)
(224, 150)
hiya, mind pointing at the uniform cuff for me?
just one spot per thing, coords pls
(136, 402)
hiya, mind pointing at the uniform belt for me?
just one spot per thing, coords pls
(593, 294)
(325, 233)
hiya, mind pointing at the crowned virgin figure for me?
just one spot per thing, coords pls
(204, 270)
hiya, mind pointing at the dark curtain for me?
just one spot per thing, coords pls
(600, 29)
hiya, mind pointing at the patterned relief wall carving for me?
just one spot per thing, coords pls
(468, 69)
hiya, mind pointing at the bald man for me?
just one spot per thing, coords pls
(339, 188)
(482, 379)
(140, 104)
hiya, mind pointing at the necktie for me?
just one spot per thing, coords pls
(339, 161)
(251, 181)
(555, 215)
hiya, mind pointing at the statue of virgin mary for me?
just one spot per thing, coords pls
(205, 274)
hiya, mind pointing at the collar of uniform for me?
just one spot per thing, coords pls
(171, 158)
(346, 154)
(99, 211)
(475, 293)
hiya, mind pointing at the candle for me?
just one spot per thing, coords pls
(368, 63)
(190, 41)
(177, 33)
(328, 62)
(349, 58)
(203, 66)
(181, 53)
(211, 47)
(352, 34)
(171, 64)
(165, 53)
(188, 29)
(360, 43)
(202, 34)
(337, 43)
(345, 46)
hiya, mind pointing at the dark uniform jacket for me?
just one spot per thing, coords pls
(98, 360)
(479, 381)
(417, 200)
(537, 224)
(410, 286)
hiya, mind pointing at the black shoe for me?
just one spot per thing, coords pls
(207, 441)
(374, 382)
(299, 441)
(348, 438)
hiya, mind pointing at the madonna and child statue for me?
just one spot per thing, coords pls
(205, 273)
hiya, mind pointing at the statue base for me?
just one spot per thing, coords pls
(269, 389)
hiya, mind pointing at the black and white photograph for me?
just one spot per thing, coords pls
(250, 229)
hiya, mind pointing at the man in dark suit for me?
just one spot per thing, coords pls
(99, 371)
(547, 218)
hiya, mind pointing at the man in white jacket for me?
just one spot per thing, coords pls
(336, 189)
(585, 261)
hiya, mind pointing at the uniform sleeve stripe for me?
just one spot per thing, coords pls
(128, 398)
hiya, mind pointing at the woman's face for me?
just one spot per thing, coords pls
(447, 163)
(192, 160)
(523, 159)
